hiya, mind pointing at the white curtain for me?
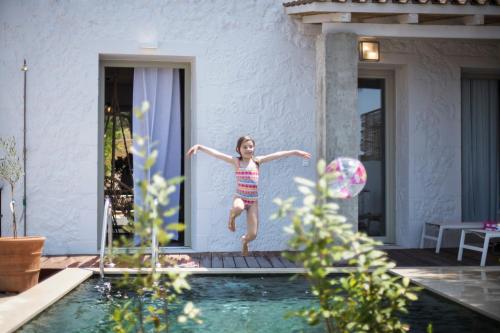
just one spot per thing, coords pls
(162, 125)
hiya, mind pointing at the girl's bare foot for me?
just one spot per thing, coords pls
(244, 249)
(231, 224)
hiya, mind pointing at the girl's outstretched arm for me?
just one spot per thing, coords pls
(282, 154)
(210, 151)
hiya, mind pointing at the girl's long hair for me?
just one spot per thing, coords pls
(241, 140)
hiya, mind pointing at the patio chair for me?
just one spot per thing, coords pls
(442, 226)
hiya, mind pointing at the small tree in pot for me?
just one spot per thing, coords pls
(19, 256)
(10, 171)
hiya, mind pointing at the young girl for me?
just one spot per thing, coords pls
(247, 179)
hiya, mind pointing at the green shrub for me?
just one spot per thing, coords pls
(366, 298)
(137, 314)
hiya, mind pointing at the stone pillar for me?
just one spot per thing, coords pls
(338, 124)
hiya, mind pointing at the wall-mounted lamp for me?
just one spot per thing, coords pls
(369, 50)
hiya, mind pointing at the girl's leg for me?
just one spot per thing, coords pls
(236, 209)
(252, 227)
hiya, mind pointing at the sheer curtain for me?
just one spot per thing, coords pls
(480, 154)
(162, 125)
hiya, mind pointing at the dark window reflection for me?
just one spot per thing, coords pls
(371, 201)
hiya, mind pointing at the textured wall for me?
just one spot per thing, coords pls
(253, 72)
(428, 132)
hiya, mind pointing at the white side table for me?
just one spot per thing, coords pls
(487, 234)
(442, 226)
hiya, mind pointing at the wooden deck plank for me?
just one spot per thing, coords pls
(251, 262)
(240, 262)
(56, 262)
(402, 257)
(196, 260)
(275, 262)
(217, 261)
(169, 260)
(228, 262)
(43, 259)
(183, 260)
(206, 260)
(421, 258)
(76, 261)
(263, 262)
(287, 263)
(92, 262)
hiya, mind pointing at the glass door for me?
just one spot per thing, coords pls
(372, 201)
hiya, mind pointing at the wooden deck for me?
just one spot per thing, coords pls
(402, 257)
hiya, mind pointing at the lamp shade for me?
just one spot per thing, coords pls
(369, 51)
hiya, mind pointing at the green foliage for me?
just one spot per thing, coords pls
(367, 298)
(138, 314)
(121, 137)
(11, 170)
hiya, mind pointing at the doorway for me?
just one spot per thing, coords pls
(375, 216)
(124, 85)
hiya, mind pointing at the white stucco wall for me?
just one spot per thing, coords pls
(428, 130)
(253, 73)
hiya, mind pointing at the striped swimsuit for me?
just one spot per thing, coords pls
(247, 180)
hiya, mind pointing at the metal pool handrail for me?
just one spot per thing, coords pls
(155, 263)
(154, 244)
(109, 228)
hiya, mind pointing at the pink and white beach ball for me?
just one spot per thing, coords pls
(350, 177)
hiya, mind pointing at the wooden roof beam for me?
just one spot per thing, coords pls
(395, 8)
(415, 30)
(327, 18)
(402, 19)
(463, 20)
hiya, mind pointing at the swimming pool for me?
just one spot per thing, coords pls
(242, 304)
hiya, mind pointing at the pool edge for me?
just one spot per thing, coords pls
(427, 285)
(20, 309)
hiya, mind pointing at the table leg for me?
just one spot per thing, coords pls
(440, 238)
(485, 249)
(423, 236)
(461, 248)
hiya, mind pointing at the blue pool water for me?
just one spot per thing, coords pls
(242, 304)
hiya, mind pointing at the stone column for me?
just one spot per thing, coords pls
(337, 122)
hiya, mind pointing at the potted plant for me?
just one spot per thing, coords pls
(19, 256)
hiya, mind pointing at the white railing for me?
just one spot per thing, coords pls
(154, 245)
(106, 226)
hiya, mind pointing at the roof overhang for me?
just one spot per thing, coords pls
(401, 19)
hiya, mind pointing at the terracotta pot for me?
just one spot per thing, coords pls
(19, 262)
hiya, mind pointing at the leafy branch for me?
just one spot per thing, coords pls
(366, 298)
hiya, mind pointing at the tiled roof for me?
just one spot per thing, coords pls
(402, 2)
